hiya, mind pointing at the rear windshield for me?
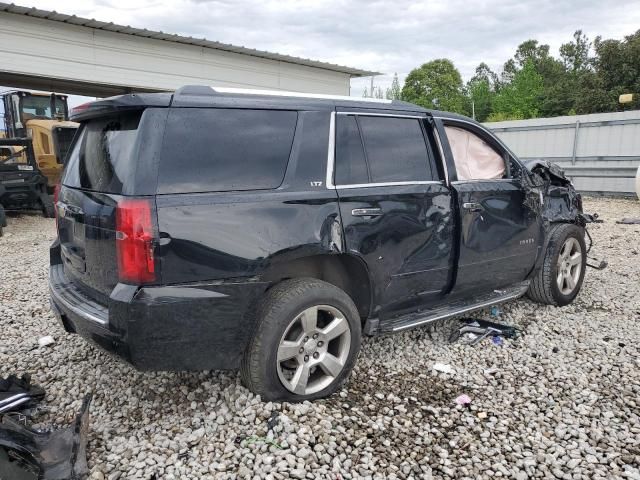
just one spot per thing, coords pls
(217, 150)
(103, 155)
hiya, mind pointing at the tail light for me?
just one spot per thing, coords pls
(56, 194)
(134, 241)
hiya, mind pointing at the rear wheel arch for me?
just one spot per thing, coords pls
(344, 271)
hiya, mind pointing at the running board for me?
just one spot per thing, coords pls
(454, 308)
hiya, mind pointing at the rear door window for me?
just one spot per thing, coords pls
(351, 165)
(217, 150)
(396, 149)
(104, 154)
(382, 149)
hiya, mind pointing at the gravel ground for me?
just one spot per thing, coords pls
(562, 401)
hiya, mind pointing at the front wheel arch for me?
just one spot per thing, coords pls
(544, 286)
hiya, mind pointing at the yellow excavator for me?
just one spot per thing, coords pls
(43, 118)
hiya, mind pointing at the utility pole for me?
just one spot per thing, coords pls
(371, 91)
(473, 109)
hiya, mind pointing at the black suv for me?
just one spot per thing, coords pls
(217, 229)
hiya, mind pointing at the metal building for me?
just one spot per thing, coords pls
(599, 152)
(51, 51)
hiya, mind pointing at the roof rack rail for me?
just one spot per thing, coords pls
(282, 93)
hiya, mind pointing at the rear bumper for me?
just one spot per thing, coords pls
(186, 327)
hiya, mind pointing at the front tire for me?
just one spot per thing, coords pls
(305, 342)
(561, 275)
(3, 219)
(47, 206)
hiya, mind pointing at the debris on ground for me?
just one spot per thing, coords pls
(27, 453)
(472, 331)
(582, 400)
(463, 400)
(443, 368)
(629, 221)
(17, 393)
(46, 341)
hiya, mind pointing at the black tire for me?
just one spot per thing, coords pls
(544, 286)
(3, 219)
(280, 306)
(48, 208)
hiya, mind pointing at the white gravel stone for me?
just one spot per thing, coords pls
(560, 401)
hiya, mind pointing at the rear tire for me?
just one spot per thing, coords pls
(305, 342)
(48, 208)
(561, 275)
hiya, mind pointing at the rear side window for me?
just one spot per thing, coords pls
(351, 166)
(396, 149)
(103, 155)
(381, 149)
(217, 150)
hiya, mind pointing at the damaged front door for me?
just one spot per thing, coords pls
(500, 236)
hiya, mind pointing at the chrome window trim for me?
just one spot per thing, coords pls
(367, 114)
(331, 154)
(447, 180)
(483, 180)
(390, 184)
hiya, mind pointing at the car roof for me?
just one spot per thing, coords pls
(202, 96)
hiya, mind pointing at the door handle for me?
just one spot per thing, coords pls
(472, 206)
(366, 212)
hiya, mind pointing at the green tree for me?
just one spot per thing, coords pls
(617, 66)
(561, 95)
(394, 92)
(481, 92)
(592, 97)
(435, 84)
(521, 97)
(575, 55)
(481, 97)
(484, 73)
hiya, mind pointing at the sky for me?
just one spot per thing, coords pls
(381, 35)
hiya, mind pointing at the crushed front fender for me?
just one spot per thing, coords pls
(559, 200)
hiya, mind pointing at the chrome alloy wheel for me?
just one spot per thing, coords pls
(569, 266)
(313, 349)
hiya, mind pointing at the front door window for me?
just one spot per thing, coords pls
(474, 158)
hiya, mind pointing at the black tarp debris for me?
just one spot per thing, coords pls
(474, 330)
(629, 221)
(26, 453)
(17, 393)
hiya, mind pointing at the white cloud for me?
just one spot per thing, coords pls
(383, 35)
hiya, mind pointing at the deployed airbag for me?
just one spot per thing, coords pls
(474, 158)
